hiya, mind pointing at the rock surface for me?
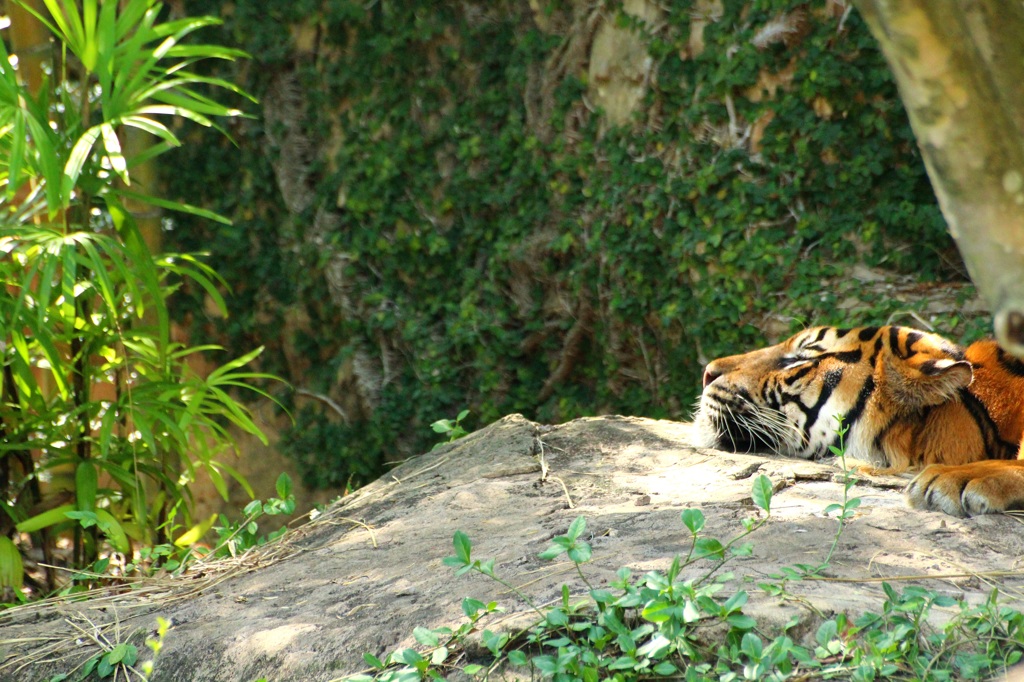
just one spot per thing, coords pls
(364, 574)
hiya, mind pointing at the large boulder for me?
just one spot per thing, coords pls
(362, 575)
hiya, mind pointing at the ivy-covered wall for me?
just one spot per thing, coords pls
(432, 212)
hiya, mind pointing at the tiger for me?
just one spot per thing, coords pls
(907, 401)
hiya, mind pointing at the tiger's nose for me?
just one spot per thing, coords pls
(710, 374)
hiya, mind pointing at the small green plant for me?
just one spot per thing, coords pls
(117, 660)
(121, 657)
(657, 625)
(452, 428)
(155, 644)
(843, 511)
(235, 538)
(849, 504)
(642, 626)
(165, 556)
(93, 389)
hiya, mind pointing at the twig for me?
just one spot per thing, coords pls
(543, 461)
(544, 473)
(326, 401)
(923, 576)
(373, 538)
(568, 498)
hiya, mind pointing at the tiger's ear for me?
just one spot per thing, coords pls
(923, 379)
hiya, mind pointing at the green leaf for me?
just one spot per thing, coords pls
(45, 519)
(76, 160)
(623, 663)
(425, 637)
(154, 128)
(105, 668)
(494, 641)
(463, 546)
(12, 571)
(655, 647)
(579, 553)
(409, 657)
(235, 474)
(827, 631)
(665, 668)
(556, 618)
(283, 485)
(890, 593)
(120, 652)
(576, 527)
(551, 552)
(545, 664)
(693, 519)
(178, 206)
(373, 661)
(709, 547)
(761, 493)
(746, 549)
(471, 607)
(752, 646)
(735, 602)
(113, 530)
(218, 483)
(516, 657)
(113, 148)
(741, 621)
(658, 612)
(86, 485)
(49, 159)
(195, 533)
(17, 154)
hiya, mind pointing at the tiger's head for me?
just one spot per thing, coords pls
(786, 398)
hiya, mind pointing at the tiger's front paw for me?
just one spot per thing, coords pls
(986, 487)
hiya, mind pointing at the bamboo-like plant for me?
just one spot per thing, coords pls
(93, 388)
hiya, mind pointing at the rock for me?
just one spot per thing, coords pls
(361, 576)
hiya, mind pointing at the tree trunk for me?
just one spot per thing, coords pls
(959, 67)
(30, 40)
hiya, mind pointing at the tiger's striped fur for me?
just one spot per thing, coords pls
(911, 400)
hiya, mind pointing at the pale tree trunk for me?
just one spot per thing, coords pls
(959, 67)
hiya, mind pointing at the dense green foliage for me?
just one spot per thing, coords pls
(97, 401)
(429, 215)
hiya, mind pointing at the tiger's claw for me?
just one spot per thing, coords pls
(985, 487)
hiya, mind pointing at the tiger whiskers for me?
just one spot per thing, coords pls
(748, 426)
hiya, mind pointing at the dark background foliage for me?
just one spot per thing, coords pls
(431, 214)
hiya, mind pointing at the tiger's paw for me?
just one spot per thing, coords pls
(986, 487)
